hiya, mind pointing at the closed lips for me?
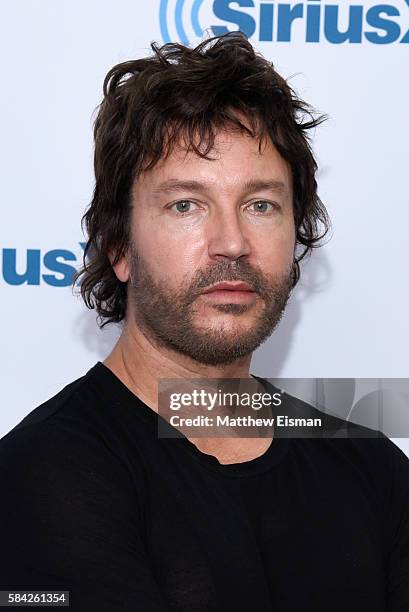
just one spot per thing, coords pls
(226, 286)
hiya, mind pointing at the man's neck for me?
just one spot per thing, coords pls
(139, 363)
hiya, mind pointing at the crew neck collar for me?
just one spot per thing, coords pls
(271, 457)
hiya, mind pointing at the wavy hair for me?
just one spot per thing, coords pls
(148, 103)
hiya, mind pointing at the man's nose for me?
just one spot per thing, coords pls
(226, 236)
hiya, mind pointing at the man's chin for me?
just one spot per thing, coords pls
(225, 329)
(220, 344)
(222, 353)
(227, 317)
(215, 342)
(211, 308)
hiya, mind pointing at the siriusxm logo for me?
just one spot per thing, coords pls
(51, 268)
(311, 21)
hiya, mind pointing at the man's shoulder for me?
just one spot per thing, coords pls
(49, 421)
(69, 399)
(76, 420)
(70, 438)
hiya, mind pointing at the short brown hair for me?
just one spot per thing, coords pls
(148, 103)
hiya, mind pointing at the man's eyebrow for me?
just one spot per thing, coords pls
(251, 185)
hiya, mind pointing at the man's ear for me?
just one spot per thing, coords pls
(121, 267)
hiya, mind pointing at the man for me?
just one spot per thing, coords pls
(205, 187)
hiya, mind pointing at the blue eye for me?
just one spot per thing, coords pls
(183, 206)
(262, 206)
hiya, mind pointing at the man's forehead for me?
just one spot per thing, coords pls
(225, 139)
(248, 185)
(174, 171)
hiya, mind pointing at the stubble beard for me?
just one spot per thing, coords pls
(167, 314)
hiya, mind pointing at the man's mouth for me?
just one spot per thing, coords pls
(229, 286)
(228, 292)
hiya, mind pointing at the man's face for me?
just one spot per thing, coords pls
(197, 223)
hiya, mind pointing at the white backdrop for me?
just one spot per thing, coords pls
(349, 314)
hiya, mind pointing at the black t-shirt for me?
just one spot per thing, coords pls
(94, 503)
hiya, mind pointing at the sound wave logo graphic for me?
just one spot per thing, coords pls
(182, 11)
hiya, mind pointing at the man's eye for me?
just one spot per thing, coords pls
(183, 206)
(261, 207)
